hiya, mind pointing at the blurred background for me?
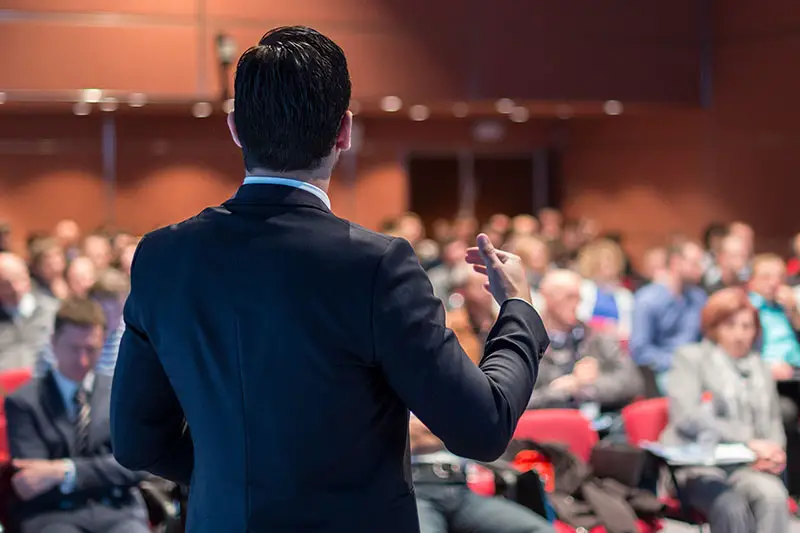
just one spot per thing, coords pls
(649, 117)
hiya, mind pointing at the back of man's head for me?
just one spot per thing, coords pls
(292, 92)
(111, 284)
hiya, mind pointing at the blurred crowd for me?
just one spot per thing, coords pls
(688, 319)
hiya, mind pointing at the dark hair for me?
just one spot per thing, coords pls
(712, 231)
(80, 312)
(292, 91)
(111, 283)
(39, 248)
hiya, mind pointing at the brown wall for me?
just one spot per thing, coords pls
(737, 160)
(423, 51)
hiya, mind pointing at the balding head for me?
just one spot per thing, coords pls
(733, 256)
(561, 291)
(81, 276)
(68, 233)
(15, 281)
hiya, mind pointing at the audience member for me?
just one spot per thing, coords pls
(605, 303)
(97, 247)
(654, 265)
(731, 262)
(58, 431)
(444, 502)
(47, 266)
(551, 221)
(666, 313)
(749, 498)
(441, 276)
(5, 236)
(712, 240)
(26, 319)
(581, 365)
(126, 258)
(778, 314)
(81, 275)
(68, 234)
(793, 265)
(535, 255)
(524, 226)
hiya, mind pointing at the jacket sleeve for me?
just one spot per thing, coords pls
(24, 439)
(473, 409)
(148, 427)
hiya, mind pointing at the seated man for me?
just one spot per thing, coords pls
(58, 430)
(580, 365)
(446, 505)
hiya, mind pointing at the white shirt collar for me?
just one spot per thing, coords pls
(304, 185)
(25, 309)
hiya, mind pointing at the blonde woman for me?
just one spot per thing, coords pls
(605, 303)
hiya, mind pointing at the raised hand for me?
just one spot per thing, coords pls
(505, 271)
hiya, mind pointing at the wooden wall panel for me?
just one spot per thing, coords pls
(139, 7)
(52, 56)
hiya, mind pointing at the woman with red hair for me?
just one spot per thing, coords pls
(725, 369)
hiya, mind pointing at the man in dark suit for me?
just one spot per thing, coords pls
(273, 350)
(58, 431)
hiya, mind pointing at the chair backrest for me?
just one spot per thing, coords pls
(645, 420)
(11, 380)
(566, 426)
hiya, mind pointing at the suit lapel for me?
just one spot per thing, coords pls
(54, 407)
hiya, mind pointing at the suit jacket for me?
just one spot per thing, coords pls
(39, 428)
(704, 367)
(293, 342)
(618, 384)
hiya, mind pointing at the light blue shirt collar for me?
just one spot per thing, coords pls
(313, 189)
(68, 388)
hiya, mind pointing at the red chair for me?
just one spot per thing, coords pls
(565, 426)
(645, 420)
(569, 427)
(11, 380)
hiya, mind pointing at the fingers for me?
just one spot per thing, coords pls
(474, 255)
(481, 269)
(488, 252)
(487, 287)
(22, 463)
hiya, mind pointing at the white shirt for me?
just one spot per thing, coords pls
(68, 388)
(297, 184)
(25, 309)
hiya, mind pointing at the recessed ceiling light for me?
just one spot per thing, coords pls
(613, 107)
(227, 106)
(418, 113)
(108, 104)
(391, 104)
(137, 100)
(564, 112)
(519, 114)
(92, 95)
(202, 110)
(82, 108)
(504, 105)
(2, 98)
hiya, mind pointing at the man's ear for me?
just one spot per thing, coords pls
(343, 139)
(232, 127)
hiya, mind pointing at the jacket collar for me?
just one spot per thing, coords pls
(258, 194)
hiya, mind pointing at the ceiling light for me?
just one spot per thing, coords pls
(82, 108)
(108, 104)
(202, 110)
(92, 96)
(504, 106)
(519, 114)
(418, 113)
(460, 109)
(137, 100)
(613, 107)
(2, 98)
(391, 104)
(227, 106)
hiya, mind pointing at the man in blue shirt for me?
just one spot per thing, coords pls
(666, 313)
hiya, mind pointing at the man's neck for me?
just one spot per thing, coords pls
(319, 178)
(673, 283)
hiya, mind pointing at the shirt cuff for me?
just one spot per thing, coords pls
(68, 485)
(521, 300)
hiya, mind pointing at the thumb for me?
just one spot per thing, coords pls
(488, 252)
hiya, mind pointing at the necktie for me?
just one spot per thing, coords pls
(82, 419)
